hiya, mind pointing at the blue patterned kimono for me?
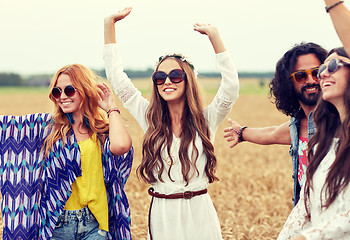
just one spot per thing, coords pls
(35, 189)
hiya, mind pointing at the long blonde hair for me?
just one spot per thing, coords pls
(159, 132)
(85, 82)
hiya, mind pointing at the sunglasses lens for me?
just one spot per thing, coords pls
(69, 91)
(159, 77)
(176, 75)
(56, 92)
(314, 74)
(320, 71)
(300, 76)
(333, 66)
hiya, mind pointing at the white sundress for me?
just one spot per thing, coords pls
(174, 219)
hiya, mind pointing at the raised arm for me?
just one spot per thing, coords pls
(121, 84)
(213, 34)
(340, 16)
(228, 91)
(264, 136)
(109, 28)
(120, 140)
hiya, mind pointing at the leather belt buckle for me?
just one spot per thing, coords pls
(187, 195)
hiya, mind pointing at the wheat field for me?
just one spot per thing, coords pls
(254, 195)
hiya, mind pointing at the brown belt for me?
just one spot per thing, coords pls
(185, 195)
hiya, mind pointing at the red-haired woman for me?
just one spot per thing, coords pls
(178, 157)
(63, 175)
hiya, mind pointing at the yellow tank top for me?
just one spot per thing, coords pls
(89, 189)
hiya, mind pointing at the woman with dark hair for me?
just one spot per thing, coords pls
(178, 157)
(63, 174)
(324, 209)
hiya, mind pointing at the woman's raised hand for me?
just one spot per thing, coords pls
(213, 34)
(106, 100)
(207, 29)
(109, 30)
(119, 15)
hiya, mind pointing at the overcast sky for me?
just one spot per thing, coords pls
(41, 36)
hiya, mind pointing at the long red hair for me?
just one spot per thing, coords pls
(85, 82)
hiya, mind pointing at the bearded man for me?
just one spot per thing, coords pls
(295, 89)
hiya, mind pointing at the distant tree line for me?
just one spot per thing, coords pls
(13, 79)
(148, 73)
(131, 73)
(241, 74)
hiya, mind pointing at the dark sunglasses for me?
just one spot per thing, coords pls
(333, 66)
(68, 90)
(175, 76)
(301, 76)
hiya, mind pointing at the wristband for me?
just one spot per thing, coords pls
(240, 134)
(332, 6)
(112, 110)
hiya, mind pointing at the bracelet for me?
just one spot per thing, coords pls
(112, 110)
(240, 134)
(332, 6)
(237, 132)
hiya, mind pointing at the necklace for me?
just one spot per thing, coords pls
(173, 152)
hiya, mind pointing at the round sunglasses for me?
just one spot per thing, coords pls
(301, 76)
(333, 66)
(69, 90)
(175, 76)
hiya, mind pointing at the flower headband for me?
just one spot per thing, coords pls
(178, 56)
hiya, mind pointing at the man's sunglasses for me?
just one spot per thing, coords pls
(68, 90)
(175, 76)
(301, 76)
(333, 66)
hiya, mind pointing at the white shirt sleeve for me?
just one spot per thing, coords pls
(123, 87)
(296, 221)
(227, 93)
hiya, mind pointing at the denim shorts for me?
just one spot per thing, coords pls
(78, 224)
